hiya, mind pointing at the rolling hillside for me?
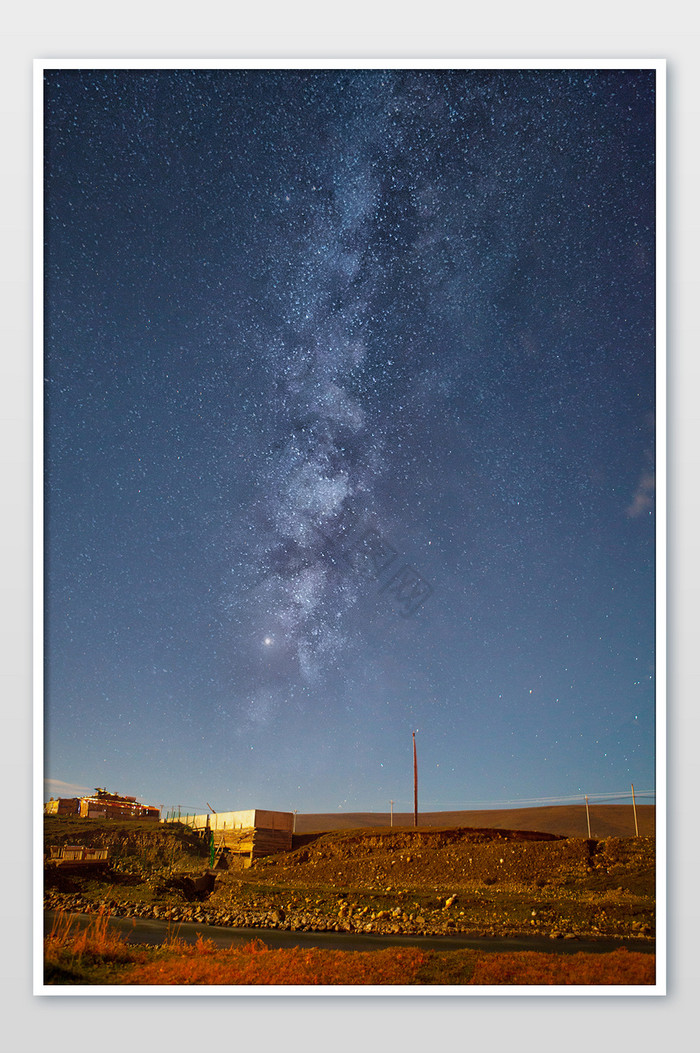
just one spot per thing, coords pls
(607, 820)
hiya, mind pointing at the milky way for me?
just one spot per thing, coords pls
(332, 460)
(350, 418)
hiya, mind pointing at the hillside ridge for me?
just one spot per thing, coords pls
(606, 820)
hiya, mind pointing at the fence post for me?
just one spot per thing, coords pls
(634, 809)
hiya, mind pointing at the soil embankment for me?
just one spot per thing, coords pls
(430, 881)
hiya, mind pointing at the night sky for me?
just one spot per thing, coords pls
(350, 396)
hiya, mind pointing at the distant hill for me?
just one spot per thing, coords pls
(607, 820)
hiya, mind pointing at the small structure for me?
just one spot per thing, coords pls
(253, 833)
(77, 856)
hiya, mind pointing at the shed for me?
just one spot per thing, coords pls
(254, 833)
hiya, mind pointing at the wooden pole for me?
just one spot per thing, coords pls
(415, 783)
(634, 809)
(588, 819)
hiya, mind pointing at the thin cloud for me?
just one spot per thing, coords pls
(643, 500)
(58, 788)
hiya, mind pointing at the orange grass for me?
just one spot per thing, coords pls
(93, 954)
(531, 967)
(257, 964)
(95, 940)
(73, 954)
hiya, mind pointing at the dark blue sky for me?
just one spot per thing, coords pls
(350, 432)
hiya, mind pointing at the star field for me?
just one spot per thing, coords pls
(350, 430)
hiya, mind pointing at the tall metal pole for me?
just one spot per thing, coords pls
(415, 783)
(634, 809)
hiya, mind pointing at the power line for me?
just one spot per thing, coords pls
(513, 801)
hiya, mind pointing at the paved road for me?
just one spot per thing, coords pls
(153, 932)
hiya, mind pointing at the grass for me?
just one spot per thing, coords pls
(256, 964)
(96, 955)
(528, 967)
(89, 955)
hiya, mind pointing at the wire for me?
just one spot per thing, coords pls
(515, 802)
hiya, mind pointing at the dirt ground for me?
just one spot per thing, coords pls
(481, 882)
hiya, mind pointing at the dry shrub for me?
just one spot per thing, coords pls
(85, 954)
(68, 939)
(532, 967)
(257, 964)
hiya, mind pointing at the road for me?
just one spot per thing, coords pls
(153, 932)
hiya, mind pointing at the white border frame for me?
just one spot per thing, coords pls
(659, 65)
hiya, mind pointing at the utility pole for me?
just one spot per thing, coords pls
(634, 809)
(415, 783)
(588, 819)
(391, 822)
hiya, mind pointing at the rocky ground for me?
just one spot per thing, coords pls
(473, 882)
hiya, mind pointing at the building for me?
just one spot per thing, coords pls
(63, 806)
(102, 805)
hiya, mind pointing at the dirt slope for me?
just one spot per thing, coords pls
(431, 880)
